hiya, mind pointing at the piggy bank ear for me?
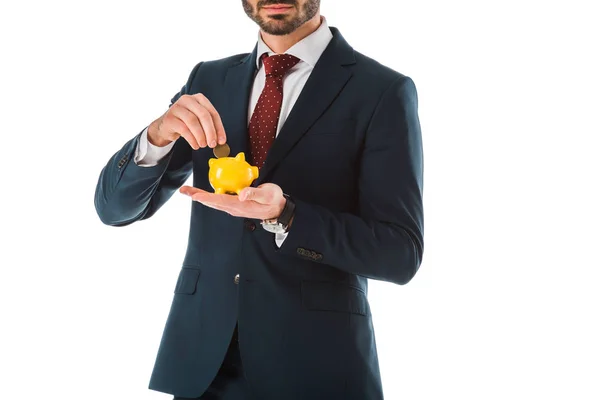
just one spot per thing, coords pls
(240, 157)
(255, 172)
(211, 162)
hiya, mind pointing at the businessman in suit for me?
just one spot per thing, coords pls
(271, 300)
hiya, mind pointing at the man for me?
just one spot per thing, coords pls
(271, 301)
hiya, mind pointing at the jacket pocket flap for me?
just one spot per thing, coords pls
(332, 296)
(187, 281)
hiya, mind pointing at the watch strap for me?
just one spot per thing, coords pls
(288, 211)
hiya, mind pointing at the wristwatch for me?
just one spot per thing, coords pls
(281, 224)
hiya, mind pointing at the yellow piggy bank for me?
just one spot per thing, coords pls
(231, 174)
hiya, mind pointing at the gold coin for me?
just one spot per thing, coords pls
(221, 150)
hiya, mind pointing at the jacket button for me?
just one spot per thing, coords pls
(236, 280)
(251, 226)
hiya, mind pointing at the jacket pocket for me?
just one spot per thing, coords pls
(187, 280)
(333, 296)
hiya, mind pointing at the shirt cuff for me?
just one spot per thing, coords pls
(280, 238)
(147, 154)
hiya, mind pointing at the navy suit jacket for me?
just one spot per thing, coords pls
(350, 155)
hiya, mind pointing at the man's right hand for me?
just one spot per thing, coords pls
(194, 118)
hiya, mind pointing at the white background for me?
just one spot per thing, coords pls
(506, 304)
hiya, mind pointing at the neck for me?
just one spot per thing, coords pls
(280, 44)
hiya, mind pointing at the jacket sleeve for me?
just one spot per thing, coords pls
(385, 240)
(126, 192)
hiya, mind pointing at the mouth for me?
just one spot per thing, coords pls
(278, 8)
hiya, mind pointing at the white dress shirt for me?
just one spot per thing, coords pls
(308, 50)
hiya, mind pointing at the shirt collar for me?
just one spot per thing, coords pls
(308, 49)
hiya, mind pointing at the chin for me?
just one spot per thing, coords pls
(277, 30)
(277, 17)
(279, 23)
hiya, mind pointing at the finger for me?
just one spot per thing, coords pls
(181, 129)
(189, 190)
(204, 118)
(182, 112)
(217, 122)
(214, 198)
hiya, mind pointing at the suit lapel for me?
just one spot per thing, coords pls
(327, 79)
(238, 84)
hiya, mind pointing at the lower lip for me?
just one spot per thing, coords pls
(278, 9)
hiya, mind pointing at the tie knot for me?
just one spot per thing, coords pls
(279, 64)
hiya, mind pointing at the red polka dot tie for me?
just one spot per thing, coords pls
(265, 119)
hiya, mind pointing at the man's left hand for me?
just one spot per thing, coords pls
(263, 202)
